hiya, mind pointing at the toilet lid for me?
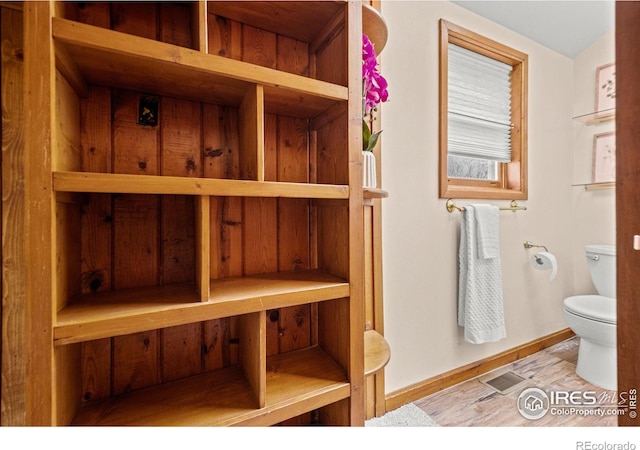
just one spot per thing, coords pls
(594, 307)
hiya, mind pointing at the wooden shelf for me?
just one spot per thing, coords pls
(374, 26)
(279, 289)
(86, 54)
(597, 117)
(114, 313)
(370, 193)
(597, 186)
(377, 352)
(297, 382)
(92, 182)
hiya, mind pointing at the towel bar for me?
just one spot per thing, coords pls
(451, 206)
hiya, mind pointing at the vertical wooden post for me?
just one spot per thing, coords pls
(356, 214)
(199, 28)
(252, 135)
(203, 246)
(39, 81)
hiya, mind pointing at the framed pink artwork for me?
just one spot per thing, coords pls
(604, 157)
(606, 87)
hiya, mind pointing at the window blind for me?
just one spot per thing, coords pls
(479, 106)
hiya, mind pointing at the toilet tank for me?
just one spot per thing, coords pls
(601, 260)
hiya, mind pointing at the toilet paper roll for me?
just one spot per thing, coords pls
(545, 261)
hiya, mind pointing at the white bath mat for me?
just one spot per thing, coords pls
(408, 415)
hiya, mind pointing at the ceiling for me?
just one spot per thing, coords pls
(567, 27)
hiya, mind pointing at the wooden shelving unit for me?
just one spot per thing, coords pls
(198, 205)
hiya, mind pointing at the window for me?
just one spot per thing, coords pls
(483, 117)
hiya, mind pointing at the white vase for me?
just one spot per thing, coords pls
(369, 170)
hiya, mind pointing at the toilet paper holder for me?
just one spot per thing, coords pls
(543, 260)
(529, 244)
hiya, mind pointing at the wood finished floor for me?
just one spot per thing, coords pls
(473, 403)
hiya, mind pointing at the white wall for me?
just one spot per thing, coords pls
(594, 211)
(420, 238)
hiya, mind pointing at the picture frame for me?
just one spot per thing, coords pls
(606, 87)
(604, 157)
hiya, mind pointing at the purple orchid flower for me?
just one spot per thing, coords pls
(374, 91)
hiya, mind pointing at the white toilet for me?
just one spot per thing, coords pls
(593, 319)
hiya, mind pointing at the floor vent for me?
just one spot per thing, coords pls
(504, 383)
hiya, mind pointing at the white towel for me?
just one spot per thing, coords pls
(480, 303)
(487, 228)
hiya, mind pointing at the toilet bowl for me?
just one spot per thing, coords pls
(593, 319)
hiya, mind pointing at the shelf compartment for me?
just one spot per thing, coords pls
(93, 182)
(103, 57)
(221, 397)
(172, 22)
(114, 313)
(301, 20)
(298, 381)
(305, 21)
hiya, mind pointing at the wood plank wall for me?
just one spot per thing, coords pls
(12, 309)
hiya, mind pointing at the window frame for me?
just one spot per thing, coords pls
(512, 176)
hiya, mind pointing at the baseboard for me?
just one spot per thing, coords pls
(439, 382)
